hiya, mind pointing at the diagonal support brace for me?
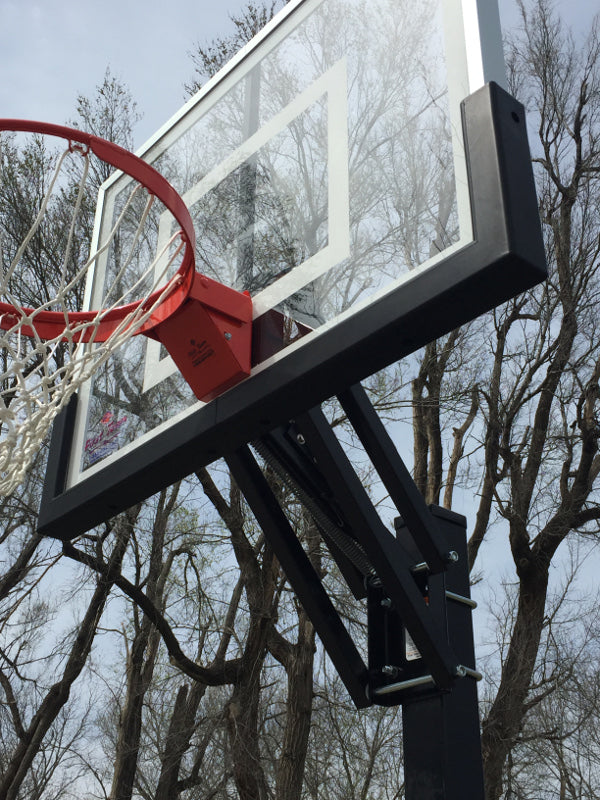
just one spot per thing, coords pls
(301, 574)
(392, 563)
(395, 476)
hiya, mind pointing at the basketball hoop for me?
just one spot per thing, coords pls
(49, 350)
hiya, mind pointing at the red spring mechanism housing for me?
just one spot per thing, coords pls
(209, 337)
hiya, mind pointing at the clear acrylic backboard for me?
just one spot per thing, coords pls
(334, 172)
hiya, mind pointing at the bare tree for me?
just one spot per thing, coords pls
(525, 429)
(31, 729)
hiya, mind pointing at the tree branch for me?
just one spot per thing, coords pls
(217, 675)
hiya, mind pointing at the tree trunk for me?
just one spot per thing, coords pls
(142, 658)
(139, 672)
(181, 730)
(290, 771)
(503, 723)
(243, 731)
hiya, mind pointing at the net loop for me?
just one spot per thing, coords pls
(78, 147)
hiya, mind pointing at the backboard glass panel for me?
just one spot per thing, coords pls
(327, 172)
(321, 169)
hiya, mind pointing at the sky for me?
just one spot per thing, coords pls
(51, 51)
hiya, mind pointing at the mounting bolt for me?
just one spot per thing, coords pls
(227, 335)
(462, 672)
(452, 557)
(300, 439)
(386, 603)
(390, 671)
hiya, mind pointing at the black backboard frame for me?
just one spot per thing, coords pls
(505, 258)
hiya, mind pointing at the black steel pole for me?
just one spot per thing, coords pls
(442, 744)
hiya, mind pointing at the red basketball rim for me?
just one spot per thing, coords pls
(51, 324)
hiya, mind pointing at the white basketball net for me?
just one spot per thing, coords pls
(37, 377)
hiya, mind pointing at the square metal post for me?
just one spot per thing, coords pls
(441, 733)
